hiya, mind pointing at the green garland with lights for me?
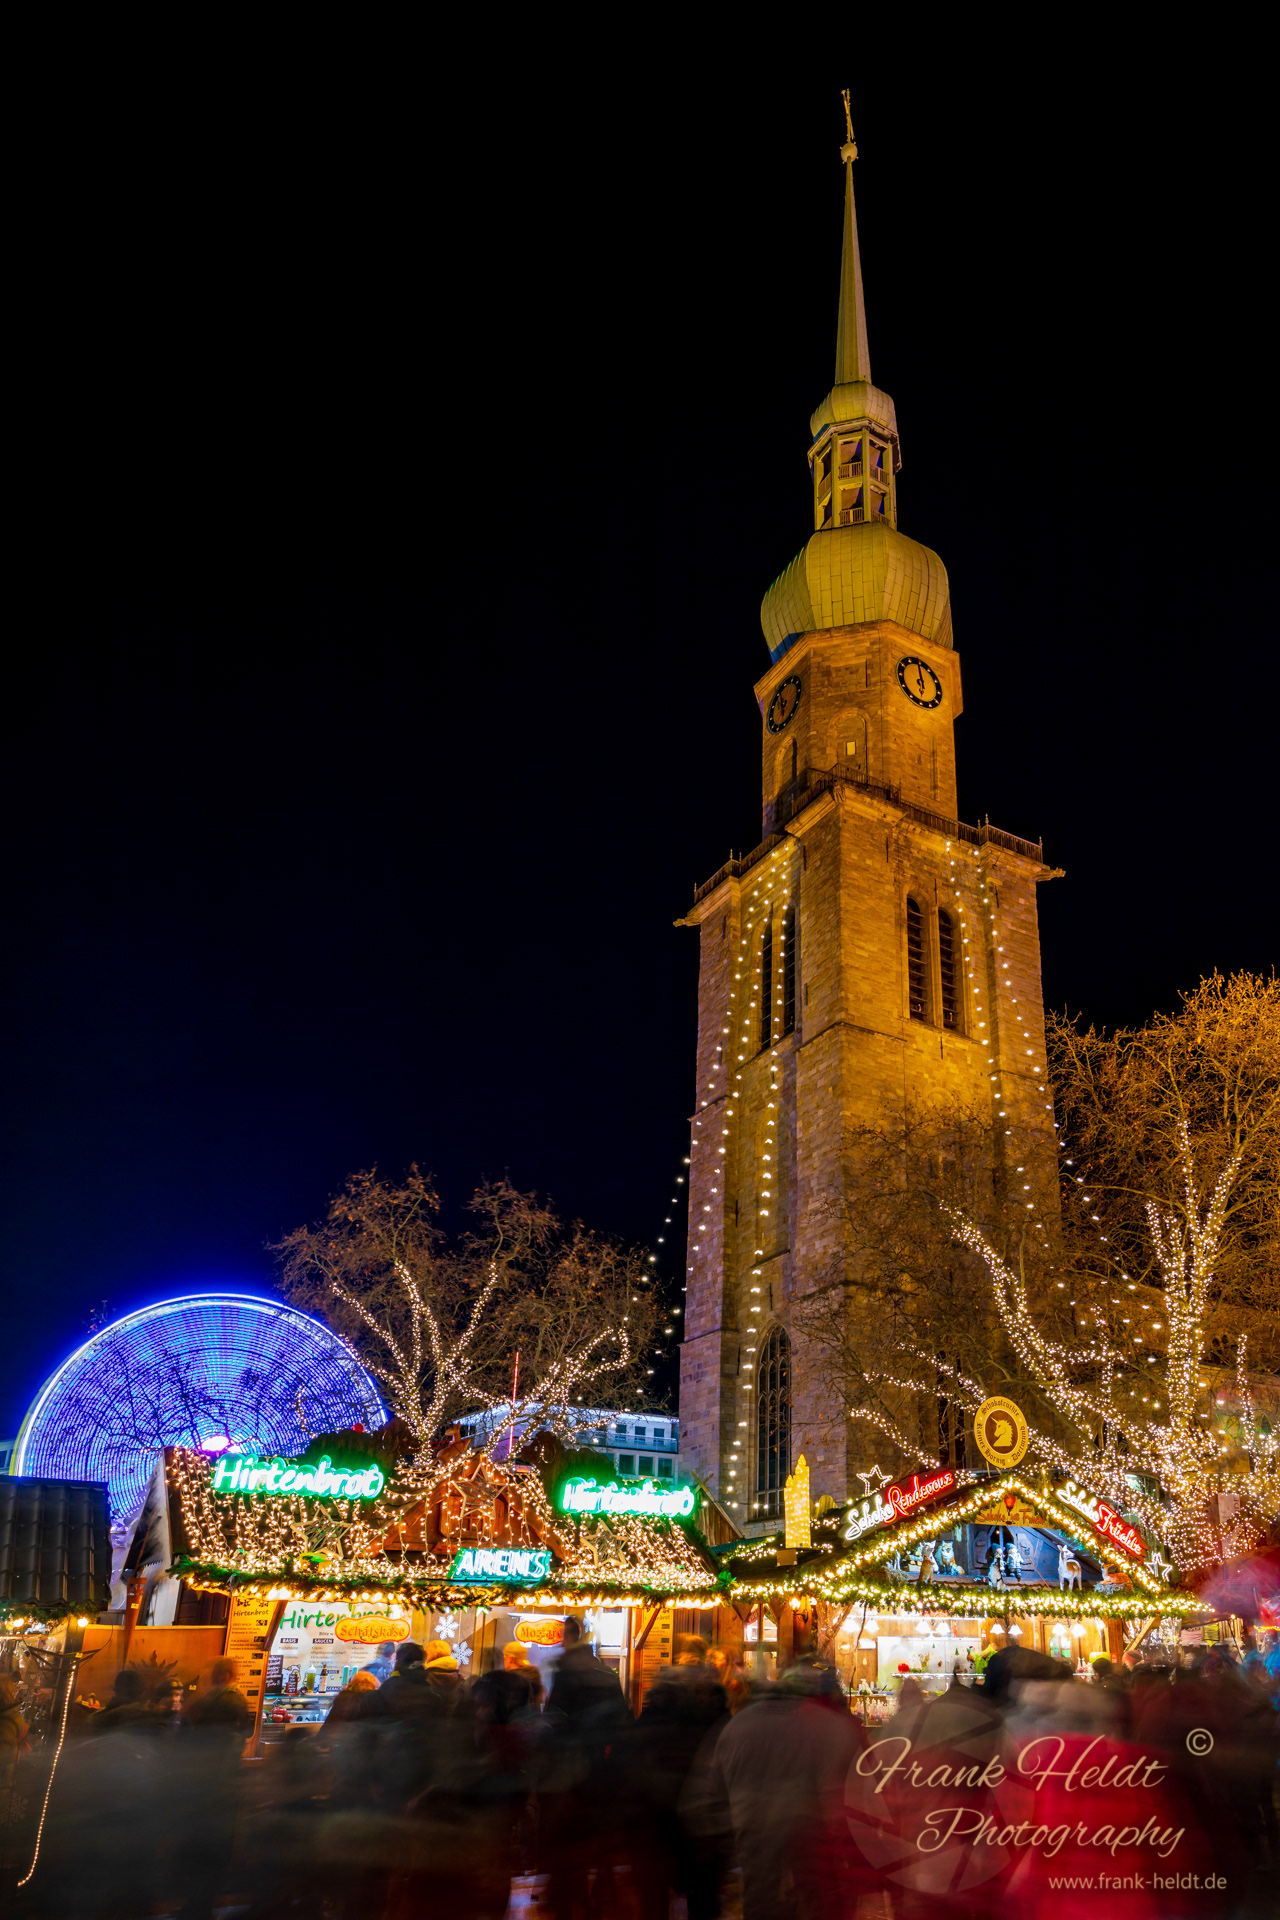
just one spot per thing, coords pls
(841, 1579)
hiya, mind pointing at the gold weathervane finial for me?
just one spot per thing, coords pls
(849, 151)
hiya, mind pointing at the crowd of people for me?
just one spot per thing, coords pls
(425, 1794)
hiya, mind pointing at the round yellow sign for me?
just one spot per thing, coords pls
(1000, 1429)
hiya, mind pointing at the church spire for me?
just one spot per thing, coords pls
(853, 357)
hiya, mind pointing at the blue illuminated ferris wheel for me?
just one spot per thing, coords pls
(206, 1369)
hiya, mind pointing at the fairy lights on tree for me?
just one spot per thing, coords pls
(1129, 1448)
(440, 1325)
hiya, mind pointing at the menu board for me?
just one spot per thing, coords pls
(319, 1646)
(247, 1633)
(656, 1652)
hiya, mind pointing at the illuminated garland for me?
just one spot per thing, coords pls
(1119, 1447)
(840, 1579)
(777, 877)
(989, 936)
(296, 1547)
(1190, 1464)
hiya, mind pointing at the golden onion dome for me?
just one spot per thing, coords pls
(848, 575)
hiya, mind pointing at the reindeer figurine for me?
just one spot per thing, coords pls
(1070, 1573)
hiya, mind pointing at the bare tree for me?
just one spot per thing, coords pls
(441, 1326)
(1130, 1330)
(1208, 1076)
(901, 1281)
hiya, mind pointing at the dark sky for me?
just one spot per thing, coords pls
(398, 485)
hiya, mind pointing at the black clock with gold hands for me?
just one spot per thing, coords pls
(919, 682)
(782, 707)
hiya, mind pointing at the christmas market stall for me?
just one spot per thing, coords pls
(352, 1547)
(928, 1577)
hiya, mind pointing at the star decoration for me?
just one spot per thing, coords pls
(873, 1481)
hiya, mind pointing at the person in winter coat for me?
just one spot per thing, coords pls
(413, 1711)
(352, 1703)
(776, 1780)
(206, 1783)
(426, 1684)
(576, 1772)
(685, 1711)
(126, 1707)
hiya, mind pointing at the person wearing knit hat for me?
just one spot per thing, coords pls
(426, 1684)
(515, 1659)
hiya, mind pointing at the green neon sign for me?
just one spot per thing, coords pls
(245, 1473)
(501, 1563)
(647, 1497)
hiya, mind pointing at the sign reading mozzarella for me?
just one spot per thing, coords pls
(245, 1473)
(540, 1633)
(501, 1563)
(904, 1496)
(586, 1496)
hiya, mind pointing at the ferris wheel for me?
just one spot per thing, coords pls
(206, 1370)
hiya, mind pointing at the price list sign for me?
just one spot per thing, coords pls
(247, 1633)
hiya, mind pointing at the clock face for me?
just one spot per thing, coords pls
(783, 705)
(919, 682)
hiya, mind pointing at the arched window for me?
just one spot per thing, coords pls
(789, 971)
(947, 968)
(915, 961)
(766, 985)
(773, 1434)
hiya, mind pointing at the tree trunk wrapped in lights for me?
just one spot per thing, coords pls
(1130, 1458)
(440, 1327)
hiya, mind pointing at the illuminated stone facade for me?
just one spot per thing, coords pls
(836, 925)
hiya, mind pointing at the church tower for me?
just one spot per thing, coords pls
(873, 953)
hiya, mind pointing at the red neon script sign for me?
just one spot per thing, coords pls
(1120, 1531)
(905, 1496)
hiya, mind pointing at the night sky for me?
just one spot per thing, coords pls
(397, 493)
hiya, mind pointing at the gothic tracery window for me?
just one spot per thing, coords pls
(773, 1416)
(789, 971)
(948, 969)
(915, 961)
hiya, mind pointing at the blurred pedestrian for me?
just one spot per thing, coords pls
(351, 1703)
(383, 1664)
(127, 1705)
(728, 1672)
(576, 1773)
(778, 1771)
(515, 1659)
(684, 1713)
(207, 1778)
